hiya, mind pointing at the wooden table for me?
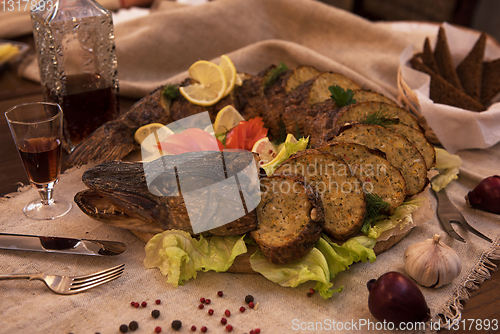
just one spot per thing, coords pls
(483, 304)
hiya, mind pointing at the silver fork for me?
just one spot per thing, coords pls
(65, 285)
(448, 213)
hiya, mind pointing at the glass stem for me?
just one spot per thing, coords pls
(46, 191)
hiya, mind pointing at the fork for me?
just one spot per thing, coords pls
(65, 285)
(448, 213)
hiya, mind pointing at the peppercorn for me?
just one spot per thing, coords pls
(242, 309)
(155, 314)
(201, 306)
(176, 325)
(133, 325)
(257, 331)
(158, 329)
(158, 302)
(207, 301)
(229, 328)
(132, 303)
(223, 321)
(248, 299)
(136, 305)
(144, 304)
(220, 293)
(211, 312)
(227, 313)
(251, 305)
(204, 329)
(124, 328)
(202, 300)
(193, 328)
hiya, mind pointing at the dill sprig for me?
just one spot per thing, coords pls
(375, 205)
(380, 118)
(171, 91)
(273, 74)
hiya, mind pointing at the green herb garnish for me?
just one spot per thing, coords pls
(380, 118)
(341, 96)
(273, 74)
(171, 91)
(374, 206)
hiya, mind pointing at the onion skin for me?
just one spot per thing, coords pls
(395, 298)
(486, 195)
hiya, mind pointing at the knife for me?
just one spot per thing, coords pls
(60, 245)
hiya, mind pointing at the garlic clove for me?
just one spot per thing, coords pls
(432, 263)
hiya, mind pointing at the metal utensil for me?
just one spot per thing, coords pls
(448, 213)
(60, 245)
(65, 285)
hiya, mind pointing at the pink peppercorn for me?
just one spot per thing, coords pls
(242, 309)
(204, 329)
(257, 331)
(132, 303)
(227, 313)
(158, 302)
(202, 300)
(193, 328)
(158, 329)
(207, 301)
(252, 332)
(223, 321)
(136, 305)
(144, 304)
(211, 312)
(201, 306)
(251, 305)
(229, 328)
(220, 293)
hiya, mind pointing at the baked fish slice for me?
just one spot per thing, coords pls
(358, 112)
(341, 193)
(290, 217)
(398, 150)
(417, 138)
(375, 172)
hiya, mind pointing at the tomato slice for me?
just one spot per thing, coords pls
(244, 135)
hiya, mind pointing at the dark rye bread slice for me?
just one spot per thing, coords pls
(341, 193)
(376, 174)
(361, 95)
(418, 139)
(470, 70)
(359, 111)
(290, 219)
(491, 81)
(428, 56)
(441, 91)
(398, 150)
(444, 61)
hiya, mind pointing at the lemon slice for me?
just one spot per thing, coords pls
(227, 118)
(148, 136)
(210, 84)
(239, 80)
(230, 74)
(265, 149)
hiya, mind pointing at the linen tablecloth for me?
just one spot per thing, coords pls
(157, 49)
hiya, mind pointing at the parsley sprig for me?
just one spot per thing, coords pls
(341, 96)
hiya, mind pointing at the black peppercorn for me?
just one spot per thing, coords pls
(124, 328)
(133, 325)
(155, 314)
(248, 299)
(176, 325)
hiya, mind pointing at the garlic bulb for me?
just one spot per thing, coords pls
(431, 263)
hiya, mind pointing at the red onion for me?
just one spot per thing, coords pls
(486, 195)
(396, 298)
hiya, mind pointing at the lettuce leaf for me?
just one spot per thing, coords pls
(321, 264)
(289, 149)
(448, 166)
(401, 216)
(180, 256)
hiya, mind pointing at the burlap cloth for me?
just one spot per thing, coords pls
(254, 33)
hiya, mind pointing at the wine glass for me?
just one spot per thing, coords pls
(37, 131)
